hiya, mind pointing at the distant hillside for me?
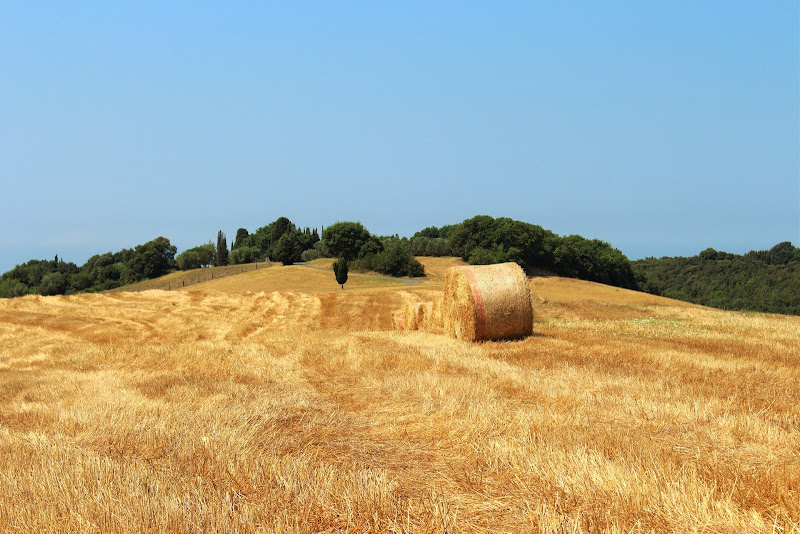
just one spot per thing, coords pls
(767, 280)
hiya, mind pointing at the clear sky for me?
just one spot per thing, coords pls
(663, 127)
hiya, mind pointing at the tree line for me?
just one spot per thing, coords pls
(100, 273)
(765, 280)
(759, 280)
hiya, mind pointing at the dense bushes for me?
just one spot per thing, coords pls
(364, 252)
(396, 260)
(767, 280)
(244, 255)
(101, 272)
(484, 240)
(266, 242)
(194, 258)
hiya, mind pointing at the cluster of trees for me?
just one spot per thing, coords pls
(284, 242)
(765, 280)
(101, 272)
(485, 240)
(279, 240)
(352, 243)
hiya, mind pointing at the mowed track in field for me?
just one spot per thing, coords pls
(274, 401)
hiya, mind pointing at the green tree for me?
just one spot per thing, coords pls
(188, 259)
(241, 237)
(54, 284)
(150, 260)
(281, 226)
(10, 288)
(782, 253)
(345, 239)
(222, 250)
(244, 255)
(287, 250)
(340, 270)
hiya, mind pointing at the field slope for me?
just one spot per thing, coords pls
(271, 401)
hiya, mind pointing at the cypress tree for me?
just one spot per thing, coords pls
(340, 270)
(222, 250)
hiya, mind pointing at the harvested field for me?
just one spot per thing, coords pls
(298, 408)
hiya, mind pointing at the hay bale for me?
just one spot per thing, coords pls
(424, 315)
(398, 320)
(487, 302)
(433, 317)
(412, 314)
(437, 319)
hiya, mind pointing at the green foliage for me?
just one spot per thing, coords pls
(281, 226)
(288, 249)
(10, 288)
(345, 239)
(266, 238)
(196, 257)
(767, 281)
(431, 232)
(396, 260)
(53, 284)
(221, 258)
(151, 260)
(340, 270)
(244, 255)
(241, 237)
(414, 268)
(188, 259)
(430, 246)
(503, 240)
(484, 240)
(310, 255)
(595, 260)
(100, 272)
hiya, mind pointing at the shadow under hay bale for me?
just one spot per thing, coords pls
(487, 302)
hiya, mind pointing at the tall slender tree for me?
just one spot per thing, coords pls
(222, 250)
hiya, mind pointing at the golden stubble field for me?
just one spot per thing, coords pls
(274, 402)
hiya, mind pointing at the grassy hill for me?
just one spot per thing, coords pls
(274, 401)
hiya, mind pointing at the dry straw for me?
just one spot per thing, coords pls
(433, 317)
(412, 316)
(488, 302)
(398, 320)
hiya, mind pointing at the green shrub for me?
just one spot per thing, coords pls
(244, 255)
(310, 255)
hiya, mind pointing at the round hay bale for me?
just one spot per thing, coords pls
(487, 302)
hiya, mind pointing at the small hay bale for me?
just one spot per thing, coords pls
(437, 319)
(424, 315)
(398, 320)
(487, 302)
(433, 317)
(411, 315)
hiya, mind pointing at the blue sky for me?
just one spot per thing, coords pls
(662, 127)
